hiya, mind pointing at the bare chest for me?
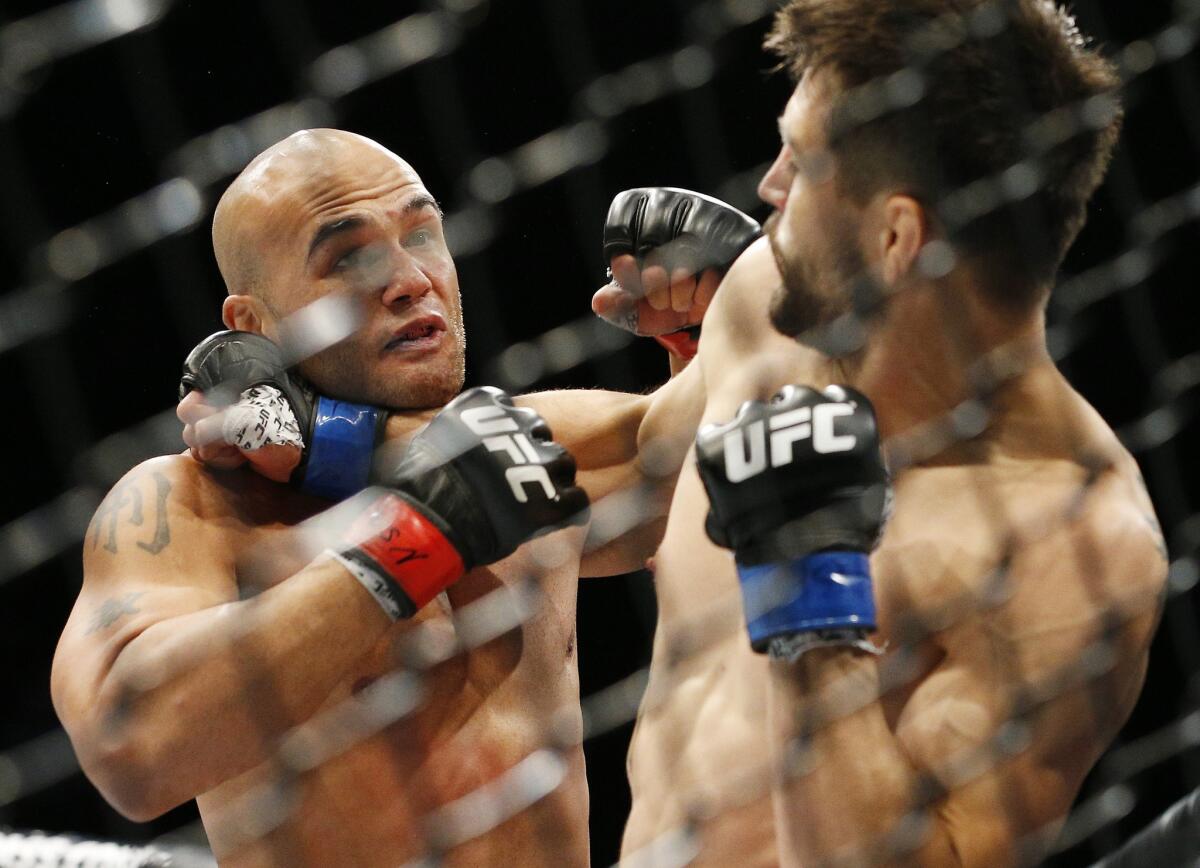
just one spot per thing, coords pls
(501, 632)
(455, 699)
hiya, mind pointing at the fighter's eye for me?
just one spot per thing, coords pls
(361, 260)
(347, 259)
(417, 239)
(815, 166)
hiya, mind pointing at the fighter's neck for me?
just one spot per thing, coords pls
(923, 366)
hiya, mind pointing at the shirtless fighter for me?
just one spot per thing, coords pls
(325, 695)
(816, 698)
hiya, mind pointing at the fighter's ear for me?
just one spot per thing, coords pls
(906, 230)
(243, 312)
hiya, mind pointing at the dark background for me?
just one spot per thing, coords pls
(85, 362)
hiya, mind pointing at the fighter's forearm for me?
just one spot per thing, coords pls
(848, 789)
(194, 700)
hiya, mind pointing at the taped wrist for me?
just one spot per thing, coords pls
(400, 554)
(826, 593)
(341, 445)
(261, 417)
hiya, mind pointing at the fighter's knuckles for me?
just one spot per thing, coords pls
(709, 438)
(622, 225)
(577, 506)
(793, 395)
(531, 422)
(748, 412)
(221, 457)
(561, 464)
(626, 275)
(658, 224)
(494, 394)
(710, 281)
(685, 253)
(683, 290)
(539, 429)
(850, 395)
(712, 436)
(210, 429)
(657, 287)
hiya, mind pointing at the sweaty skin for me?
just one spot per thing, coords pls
(1018, 581)
(701, 757)
(212, 644)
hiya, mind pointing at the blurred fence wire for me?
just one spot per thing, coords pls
(58, 265)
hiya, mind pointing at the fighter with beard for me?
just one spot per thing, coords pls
(944, 708)
(932, 691)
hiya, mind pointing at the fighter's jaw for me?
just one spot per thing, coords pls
(785, 317)
(418, 379)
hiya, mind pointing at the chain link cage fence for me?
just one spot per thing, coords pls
(121, 121)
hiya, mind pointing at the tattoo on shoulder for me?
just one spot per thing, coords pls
(113, 609)
(125, 504)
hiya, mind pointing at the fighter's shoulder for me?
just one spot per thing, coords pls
(1116, 519)
(1047, 529)
(739, 317)
(180, 491)
(1099, 547)
(168, 473)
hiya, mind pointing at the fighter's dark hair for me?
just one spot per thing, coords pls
(932, 96)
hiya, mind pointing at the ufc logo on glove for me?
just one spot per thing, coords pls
(786, 428)
(493, 425)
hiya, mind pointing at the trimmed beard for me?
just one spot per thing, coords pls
(825, 309)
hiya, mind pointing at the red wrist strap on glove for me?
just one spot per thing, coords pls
(402, 545)
(684, 343)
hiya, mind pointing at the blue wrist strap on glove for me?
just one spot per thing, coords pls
(343, 445)
(823, 591)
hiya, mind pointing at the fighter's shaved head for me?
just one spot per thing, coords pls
(327, 213)
(299, 171)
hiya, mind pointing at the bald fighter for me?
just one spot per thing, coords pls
(830, 686)
(246, 644)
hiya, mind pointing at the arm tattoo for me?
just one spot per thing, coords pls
(126, 499)
(112, 609)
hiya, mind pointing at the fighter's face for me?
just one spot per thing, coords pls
(813, 230)
(368, 231)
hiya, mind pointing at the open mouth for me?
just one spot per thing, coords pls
(421, 333)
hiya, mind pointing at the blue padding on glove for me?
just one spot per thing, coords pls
(343, 444)
(824, 591)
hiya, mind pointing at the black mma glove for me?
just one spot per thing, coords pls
(797, 488)
(686, 230)
(479, 480)
(339, 438)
